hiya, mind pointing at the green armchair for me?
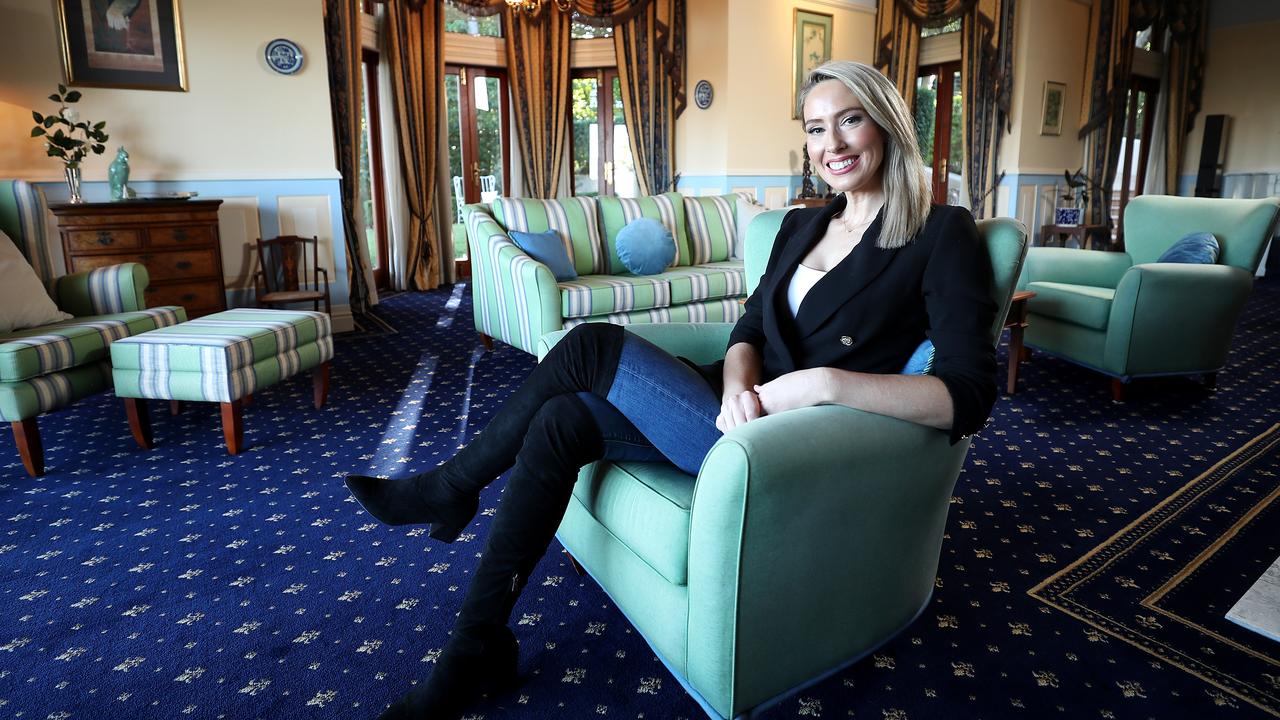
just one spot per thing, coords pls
(807, 540)
(43, 369)
(1127, 316)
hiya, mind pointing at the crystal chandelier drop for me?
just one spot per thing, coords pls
(532, 6)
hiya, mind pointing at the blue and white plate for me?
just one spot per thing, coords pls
(284, 56)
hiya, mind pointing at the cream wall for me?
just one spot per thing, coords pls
(1041, 56)
(238, 120)
(1239, 62)
(744, 48)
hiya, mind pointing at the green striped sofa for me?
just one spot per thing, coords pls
(46, 368)
(516, 299)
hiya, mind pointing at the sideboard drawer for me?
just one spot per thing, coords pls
(188, 295)
(181, 236)
(107, 240)
(179, 265)
(80, 263)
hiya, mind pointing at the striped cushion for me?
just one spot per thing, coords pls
(573, 217)
(667, 209)
(29, 398)
(604, 294)
(221, 357)
(725, 279)
(39, 351)
(711, 227)
(726, 310)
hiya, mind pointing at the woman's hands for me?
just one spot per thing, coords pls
(798, 389)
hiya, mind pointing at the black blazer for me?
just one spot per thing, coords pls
(874, 308)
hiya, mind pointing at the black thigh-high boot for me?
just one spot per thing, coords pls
(481, 653)
(583, 361)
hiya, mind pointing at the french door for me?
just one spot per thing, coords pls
(602, 162)
(1135, 149)
(939, 122)
(479, 144)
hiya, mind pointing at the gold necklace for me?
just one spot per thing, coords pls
(853, 229)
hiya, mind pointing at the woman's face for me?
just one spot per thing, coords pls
(843, 142)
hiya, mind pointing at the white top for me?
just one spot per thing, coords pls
(801, 283)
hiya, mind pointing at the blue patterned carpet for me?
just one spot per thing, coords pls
(182, 582)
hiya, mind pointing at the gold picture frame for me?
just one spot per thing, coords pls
(811, 46)
(1055, 98)
(103, 46)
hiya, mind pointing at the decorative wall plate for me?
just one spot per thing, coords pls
(284, 56)
(703, 94)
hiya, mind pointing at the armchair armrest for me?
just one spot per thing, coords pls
(815, 513)
(700, 342)
(1077, 267)
(113, 289)
(514, 297)
(1174, 316)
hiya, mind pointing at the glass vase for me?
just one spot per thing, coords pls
(73, 184)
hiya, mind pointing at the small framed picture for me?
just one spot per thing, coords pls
(109, 43)
(811, 42)
(1055, 94)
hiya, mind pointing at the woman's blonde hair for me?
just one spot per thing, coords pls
(906, 189)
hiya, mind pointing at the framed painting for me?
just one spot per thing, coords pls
(1055, 94)
(121, 43)
(811, 41)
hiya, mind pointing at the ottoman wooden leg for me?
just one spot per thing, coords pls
(175, 407)
(26, 434)
(139, 422)
(320, 384)
(233, 426)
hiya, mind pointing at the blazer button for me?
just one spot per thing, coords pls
(845, 340)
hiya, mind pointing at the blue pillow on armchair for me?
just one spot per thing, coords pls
(547, 248)
(921, 361)
(645, 246)
(1196, 247)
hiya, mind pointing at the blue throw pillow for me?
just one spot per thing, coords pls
(548, 249)
(645, 246)
(1196, 247)
(921, 361)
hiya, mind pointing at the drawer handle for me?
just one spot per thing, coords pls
(188, 297)
(183, 265)
(180, 235)
(105, 238)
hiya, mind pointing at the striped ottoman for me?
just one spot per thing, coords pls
(222, 358)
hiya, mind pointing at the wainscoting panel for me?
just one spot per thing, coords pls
(239, 227)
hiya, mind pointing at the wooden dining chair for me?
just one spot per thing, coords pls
(289, 272)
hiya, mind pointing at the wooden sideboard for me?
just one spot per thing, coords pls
(177, 241)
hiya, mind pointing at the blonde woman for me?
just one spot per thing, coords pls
(849, 293)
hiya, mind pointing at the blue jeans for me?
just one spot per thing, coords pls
(658, 408)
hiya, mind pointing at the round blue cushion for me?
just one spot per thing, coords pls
(645, 246)
(1196, 247)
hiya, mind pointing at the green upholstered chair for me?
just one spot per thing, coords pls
(807, 540)
(1127, 316)
(46, 368)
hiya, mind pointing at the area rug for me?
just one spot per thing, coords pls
(1166, 581)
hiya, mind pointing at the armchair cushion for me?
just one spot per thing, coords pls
(646, 246)
(80, 341)
(1080, 304)
(547, 248)
(712, 227)
(1197, 247)
(24, 303)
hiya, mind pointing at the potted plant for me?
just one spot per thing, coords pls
(1075, 199)
(73, 138)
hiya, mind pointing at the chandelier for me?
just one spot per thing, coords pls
(533, 6)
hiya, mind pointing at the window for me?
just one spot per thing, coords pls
(602, 162)
(939, 130)
(457, 21)
(372, 179)
(1140, 113)
(476, 100)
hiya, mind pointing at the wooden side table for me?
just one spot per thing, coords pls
(1016, 321)
(810, 202)
(1083, 235)
(177, 241)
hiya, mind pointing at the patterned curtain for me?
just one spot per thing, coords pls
(416, 59)
(1108, 67)
(650, 51)
(986, 71)
(538, 65)
(1187, 22)
(342, 46)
